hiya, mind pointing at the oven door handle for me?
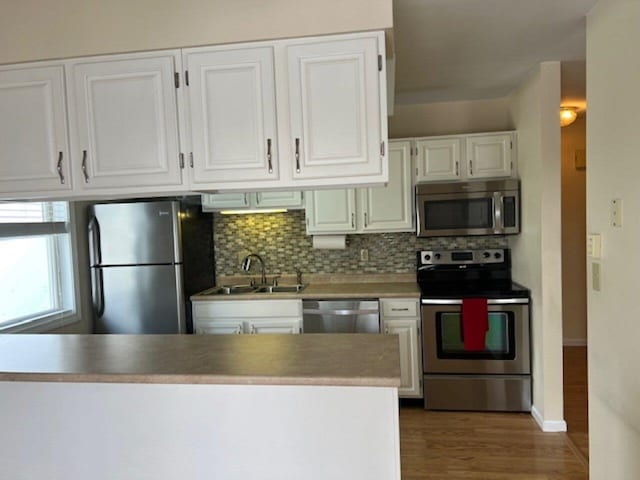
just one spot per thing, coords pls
(492, 301)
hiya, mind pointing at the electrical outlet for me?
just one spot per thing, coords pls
(364, 255)
(595, 276)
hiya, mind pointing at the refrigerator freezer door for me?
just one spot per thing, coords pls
(138, 299)
(134, 233)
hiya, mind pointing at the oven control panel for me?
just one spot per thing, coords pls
(462, 257)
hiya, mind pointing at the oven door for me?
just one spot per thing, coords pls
(507, 349)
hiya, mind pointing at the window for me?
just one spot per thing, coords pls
(36, 268)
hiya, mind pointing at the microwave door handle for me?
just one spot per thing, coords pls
(498, 207)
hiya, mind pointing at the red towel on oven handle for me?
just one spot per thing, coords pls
(475, 323)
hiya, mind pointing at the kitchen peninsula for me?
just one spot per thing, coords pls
(172, 406)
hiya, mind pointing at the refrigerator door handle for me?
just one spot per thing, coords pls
(97, 292)
(95, 255)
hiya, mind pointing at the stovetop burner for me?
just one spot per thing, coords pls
(449, 274)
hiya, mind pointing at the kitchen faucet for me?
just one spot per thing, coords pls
(246, 265)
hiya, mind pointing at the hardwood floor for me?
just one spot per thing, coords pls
(487, 446)
(576, 409)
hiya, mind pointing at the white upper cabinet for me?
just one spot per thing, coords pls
(377, 209)
(232, 103)
(124, 122)
(34, 154)
(438, 159)
(251, 201)
(465, 157)
(279, 200)
(390, 208)
(489, 155)
(337, 101)
(331, 211)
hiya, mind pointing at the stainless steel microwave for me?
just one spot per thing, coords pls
(468, 208)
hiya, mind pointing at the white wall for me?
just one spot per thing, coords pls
(41, 29)
(445, 118)
(574, 219)
(613, 171)
(536, 251)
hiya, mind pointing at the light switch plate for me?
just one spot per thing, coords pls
(616, 212)
(594, 245)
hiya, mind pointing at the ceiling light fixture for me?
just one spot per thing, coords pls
(568, 115)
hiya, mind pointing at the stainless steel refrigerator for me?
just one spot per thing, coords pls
(137, 267)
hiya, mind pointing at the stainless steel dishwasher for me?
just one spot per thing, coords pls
(340, 316)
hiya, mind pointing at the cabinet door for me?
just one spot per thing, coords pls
(273, 326)
(124, 130)
(218, 201)
(331, 211)
(278, 200)
(34, 155)
(217, 327)
(410, 361)
(336, 95)
(438, 159)
(390, 208)
(489, 156)
(233, 115)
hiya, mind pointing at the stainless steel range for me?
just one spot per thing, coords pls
(476, 331)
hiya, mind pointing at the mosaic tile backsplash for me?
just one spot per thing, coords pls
(280, 239)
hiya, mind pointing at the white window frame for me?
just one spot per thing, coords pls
(49, 320)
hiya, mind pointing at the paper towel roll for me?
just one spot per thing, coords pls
(333, 242)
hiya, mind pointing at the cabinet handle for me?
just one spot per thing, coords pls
(353, 220)
(191, 159)
(365, 219)
(59, 168)
(457, 168)
(297, 155)
(84, 166)
(399, 309)
(470, 167)
(246, 199)
(269, 155)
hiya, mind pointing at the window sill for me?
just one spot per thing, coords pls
(44, 323)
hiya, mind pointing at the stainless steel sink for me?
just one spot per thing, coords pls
(240, 289)
(230, 290)
(280, 288)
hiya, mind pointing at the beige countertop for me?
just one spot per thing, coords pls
(330, 287)
(317, 359)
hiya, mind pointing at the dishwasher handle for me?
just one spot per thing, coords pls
(340, 312)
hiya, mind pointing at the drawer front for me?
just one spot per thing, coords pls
(248, 308)
(399, 308)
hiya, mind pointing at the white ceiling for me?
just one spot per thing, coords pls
(479, 49)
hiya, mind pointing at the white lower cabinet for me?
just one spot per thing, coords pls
(247, 316)
(401, 317)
